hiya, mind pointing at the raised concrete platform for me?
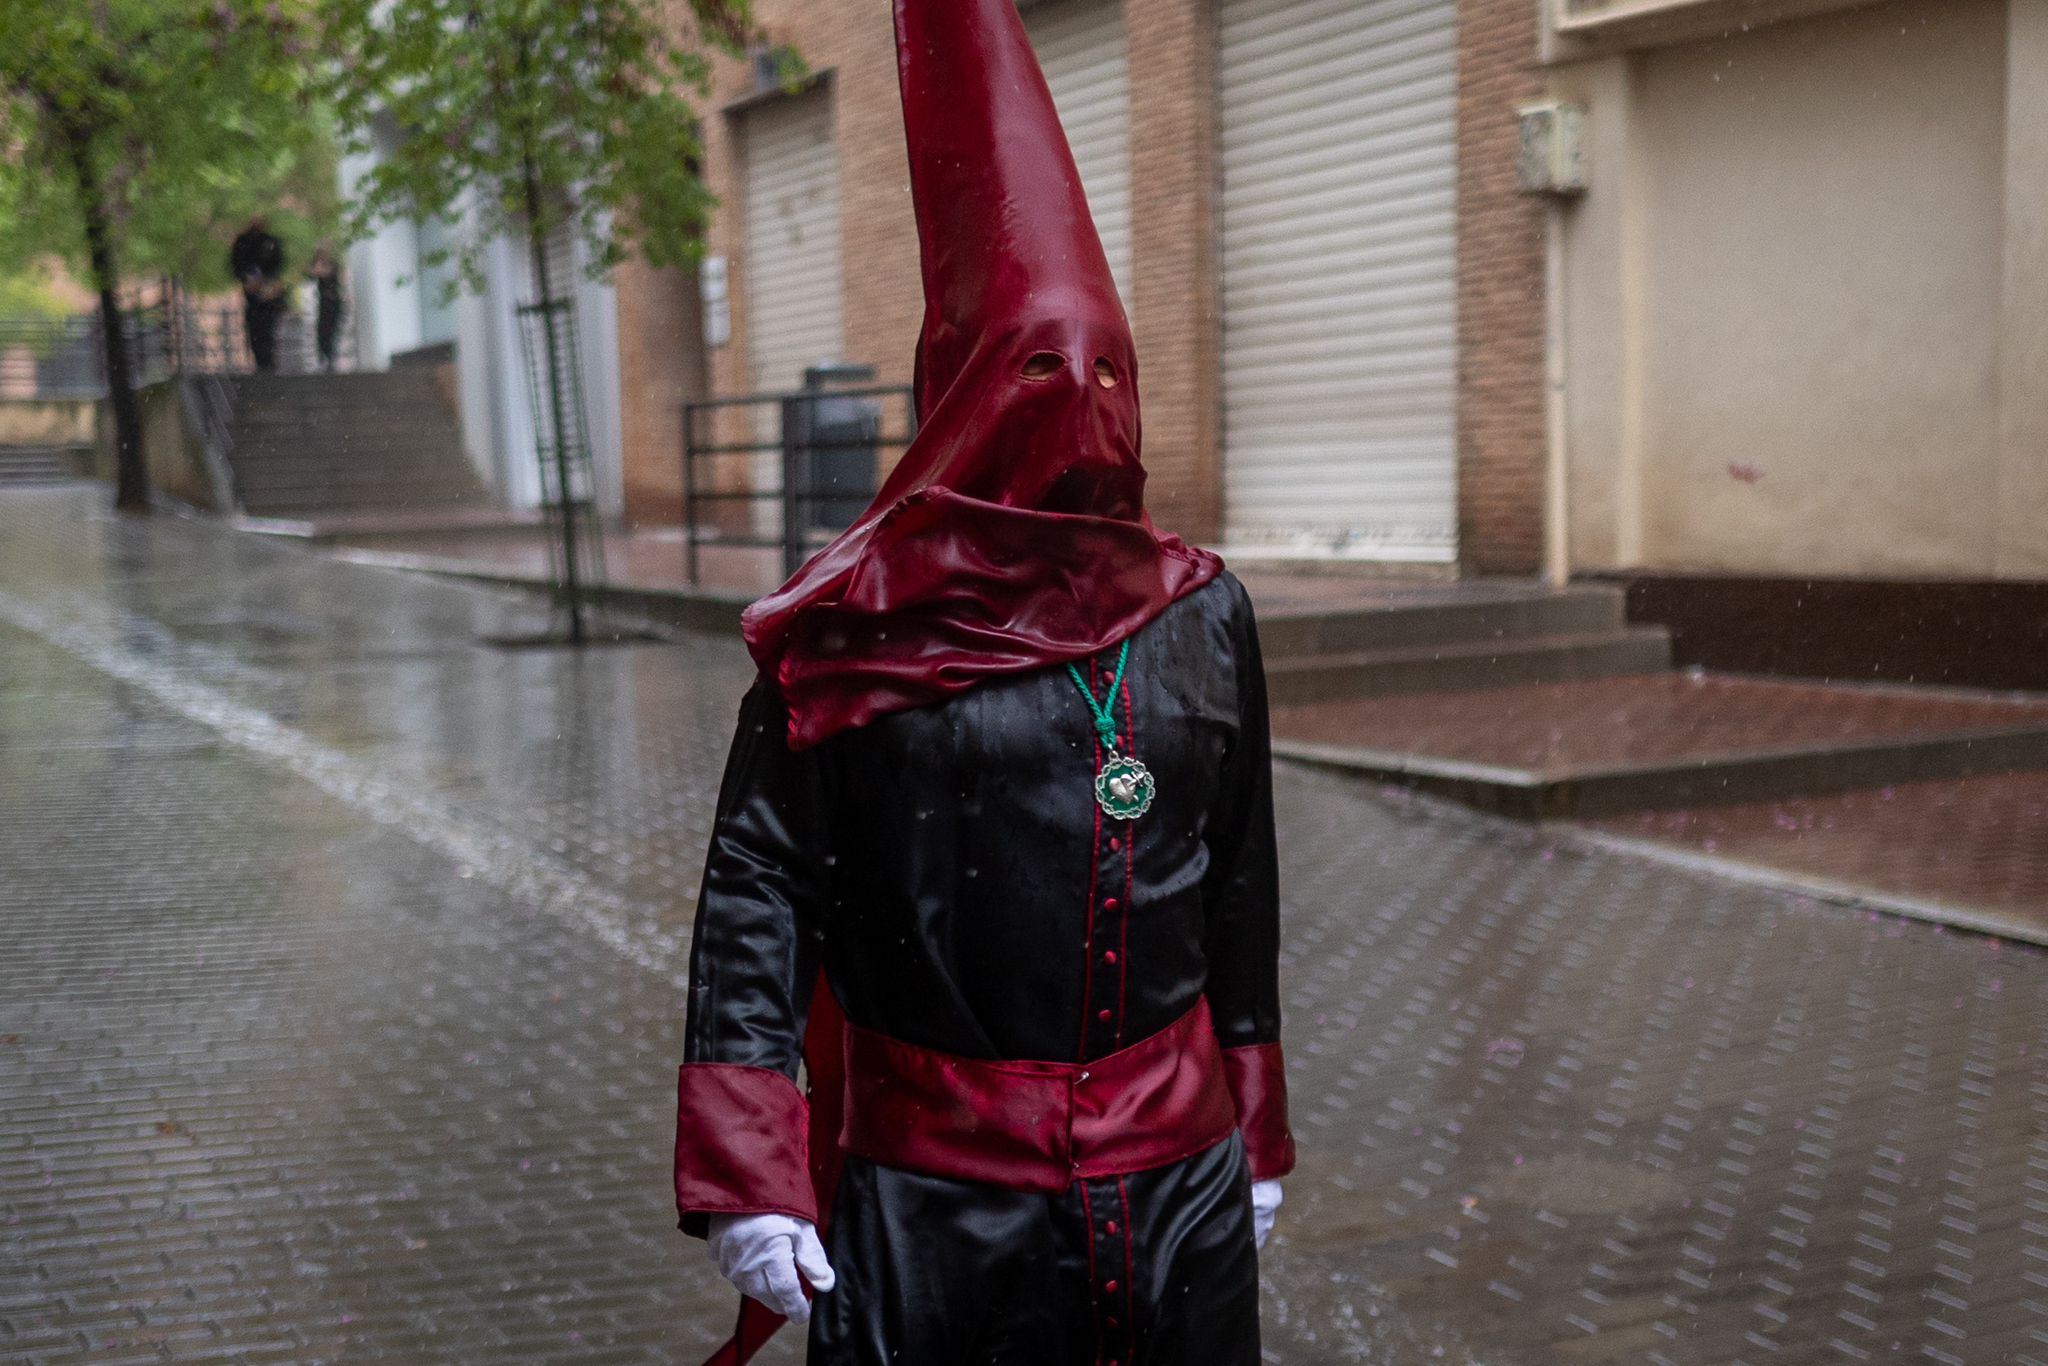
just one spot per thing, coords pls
(1601, 747)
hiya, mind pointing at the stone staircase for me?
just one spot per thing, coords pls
(312, 447)
(32, 466)
(1444, 638)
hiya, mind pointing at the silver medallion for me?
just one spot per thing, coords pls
(1124, 788)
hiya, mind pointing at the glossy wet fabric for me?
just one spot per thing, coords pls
(943, 864)
(1012, 533)
(1152, 1269)
(949, 868)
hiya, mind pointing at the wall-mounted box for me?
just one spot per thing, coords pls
(1552, 157)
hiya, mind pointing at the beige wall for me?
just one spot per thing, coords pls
(1785, 300)
(2023, 408)
(48, 422)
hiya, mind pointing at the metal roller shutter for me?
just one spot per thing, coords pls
(792, 239)
(1339, 236)
(1080, 44)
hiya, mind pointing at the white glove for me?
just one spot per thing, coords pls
(1266, 1199)
(762, 1254)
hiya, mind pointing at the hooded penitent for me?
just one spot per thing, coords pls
(1012, 535)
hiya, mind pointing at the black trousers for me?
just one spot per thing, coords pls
(1152, 1269)
(326, 328)
(259, 317)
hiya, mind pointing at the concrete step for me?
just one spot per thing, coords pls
(285, 412)
(304, 519)
(338, 475)
(308, 446)
(1463, 665)
(21, 465)
(353, 383)
(299, 426)
(316, 502)
(344, 468)
(1475, 615)
(1654, 742)
(317, 461)
(353, 431)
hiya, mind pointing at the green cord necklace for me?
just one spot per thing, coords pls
(1124, 788)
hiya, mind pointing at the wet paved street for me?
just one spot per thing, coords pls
(339, 1003)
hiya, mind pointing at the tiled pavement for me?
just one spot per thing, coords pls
(1973, 850)
(338, 1001)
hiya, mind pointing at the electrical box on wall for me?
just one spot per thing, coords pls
(1553, 159)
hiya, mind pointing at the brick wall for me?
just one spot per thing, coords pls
(1500, 296)
(661, 367)
(849, 43)
(850, 46)
(1172, 45)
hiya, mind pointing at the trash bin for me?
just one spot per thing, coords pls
(834, 448)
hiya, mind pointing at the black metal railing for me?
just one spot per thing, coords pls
(788, 471)
(64, 358)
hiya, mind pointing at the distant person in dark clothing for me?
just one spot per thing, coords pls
(257, 260)
(325, 272)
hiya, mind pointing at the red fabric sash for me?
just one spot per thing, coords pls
(1032, 1126)
(1037, 1126)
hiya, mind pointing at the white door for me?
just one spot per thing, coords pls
(1080, 46)
(1339, 236)
(791, 271)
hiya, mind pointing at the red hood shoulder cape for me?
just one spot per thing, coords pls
(1012, 535)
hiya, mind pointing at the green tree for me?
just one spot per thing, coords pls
(521, 117)
(131, 131)
(27, 294)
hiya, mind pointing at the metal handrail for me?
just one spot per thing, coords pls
(796, 491)
(63, 358)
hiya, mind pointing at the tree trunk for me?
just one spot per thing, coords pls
(131, 472)
(537, 243)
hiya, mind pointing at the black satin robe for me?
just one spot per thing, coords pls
(950, 869)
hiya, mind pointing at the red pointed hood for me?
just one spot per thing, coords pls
(1012, 534)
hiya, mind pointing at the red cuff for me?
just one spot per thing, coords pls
(742, 1141)
(1258, 1083)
